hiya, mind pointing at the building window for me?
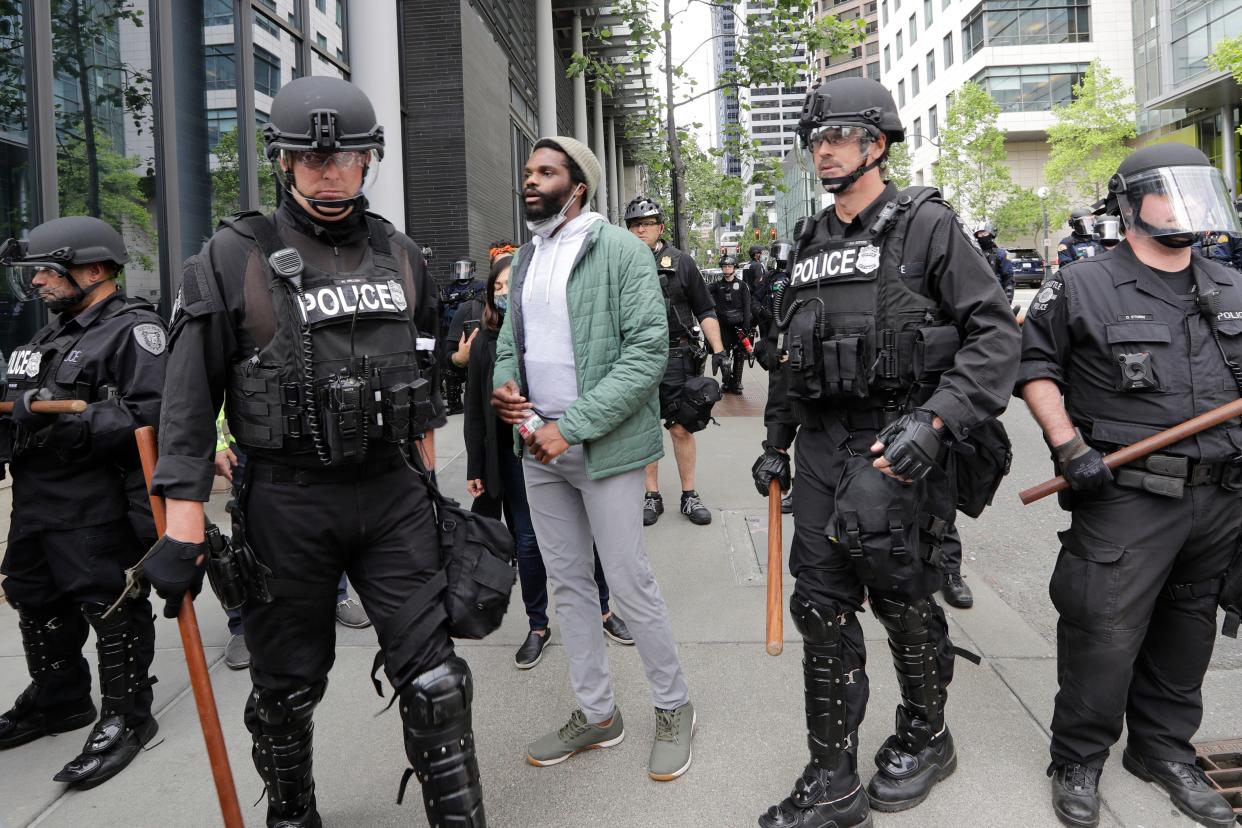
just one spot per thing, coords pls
(220, 122)
(856, 72)
(916, 139)
(1196, 28)
(218, 13)
(914, 81)
(948, 49)
(221, 70)
(340, 13)
(931, 66)
(901, 92)
(884, 11)
(944, 4)
(933, 123)
(267, 24)
(1031, 88)
(321, 41)
(913, 29)
(873, 70)
(1026, 23)
(900, 47)
(927, 13)
(888, 60)
(322, 5)
(266, 71)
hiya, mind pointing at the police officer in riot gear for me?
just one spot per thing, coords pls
(1224, 247)
(318, 322)
(1081, 243)
(1115, 349)
(894, 341)
(998, 257)
(691, 318)
(733, 312)
(79, 508)
(769, 286)
(754, 271)
(1108, 229)
(457, 294)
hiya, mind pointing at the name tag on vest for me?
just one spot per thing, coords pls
(840, 261)
(332, 302)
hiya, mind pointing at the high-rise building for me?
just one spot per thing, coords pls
(725, 26)
(1180, 97)
(1027, 54)
(862, 60)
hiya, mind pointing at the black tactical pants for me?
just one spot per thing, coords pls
(308, 528)
(828, 577)
(52, 574)
(1133, 640)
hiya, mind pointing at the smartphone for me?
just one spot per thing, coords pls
(469, 327)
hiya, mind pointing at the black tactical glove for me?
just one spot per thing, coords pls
(174, 568)
(911, 445)
(27, 419)
(720, 363)
(771, 465)
(1082, 465)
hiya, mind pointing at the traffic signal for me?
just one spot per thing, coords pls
(756, 234)
(772, 234)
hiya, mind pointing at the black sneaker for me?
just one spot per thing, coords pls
(531, 651)
(1076, 794)
(1186, 784)
(615, 629)
(653, 507)
(694, 509)
(955, 591)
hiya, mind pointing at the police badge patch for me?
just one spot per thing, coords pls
(666, 261)
(868, 259)
(1049, 294)
(398, 294)
(33, 362)
(150, 338)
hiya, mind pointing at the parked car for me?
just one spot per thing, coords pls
(1028, 266)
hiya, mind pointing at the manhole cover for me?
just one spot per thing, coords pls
(1222, 761)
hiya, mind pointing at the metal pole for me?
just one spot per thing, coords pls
(674, 150)
(601, 193)
(614, 194)
(306, 55)
(1047, 261)
(164, 110)
(42, 114)
(580, 101)
(247, 151)
(545, 68)
(1229, 147)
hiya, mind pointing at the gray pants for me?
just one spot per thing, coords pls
(569, 511)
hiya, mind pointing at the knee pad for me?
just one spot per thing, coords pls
(914, 629)
(271, 712)
(907, 622)
(438, 698)
(818, 623)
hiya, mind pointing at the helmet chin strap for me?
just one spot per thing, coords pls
(841, 183)
(69, 303)
(328, 208)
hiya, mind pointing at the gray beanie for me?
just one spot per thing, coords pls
(582, 156)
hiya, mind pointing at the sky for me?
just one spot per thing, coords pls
(691, 26)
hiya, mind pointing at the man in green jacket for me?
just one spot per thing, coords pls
(583, 347)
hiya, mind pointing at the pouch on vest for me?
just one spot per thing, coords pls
(979, 470)
(891, 531)
(694, 405)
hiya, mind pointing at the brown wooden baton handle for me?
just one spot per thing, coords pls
(195, 658)
(1144, 447)
(776, 603)
(49, 407)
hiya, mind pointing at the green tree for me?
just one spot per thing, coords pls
(899, 164)
(1087, 140)
(121, 190)
(971, 171)
(1227, 57)
(226, 181)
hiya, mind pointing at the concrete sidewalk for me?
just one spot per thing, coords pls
(751, 740)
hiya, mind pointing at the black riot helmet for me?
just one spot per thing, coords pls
(463, 270)
(845, 110)
(780, 253)
(642, 207)
(1082, 221)
(57, 245)
(322, 115)
(1172, 193)
(984, 228)
(756, 250)
(727, 259)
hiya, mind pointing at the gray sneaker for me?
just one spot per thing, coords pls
(574, 737)
(236, 655)
(671, 754)
(349, 613)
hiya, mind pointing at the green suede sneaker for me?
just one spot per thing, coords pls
(574, 737)
(671, 754)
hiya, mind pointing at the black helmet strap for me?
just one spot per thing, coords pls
(323, 130)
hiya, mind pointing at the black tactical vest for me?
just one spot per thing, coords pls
(730, 294)
(341, 371)
(855, 332)
(680, 316)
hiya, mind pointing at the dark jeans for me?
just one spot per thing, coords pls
(531, 572)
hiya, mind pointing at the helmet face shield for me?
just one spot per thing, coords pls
(20, 268)
(1083, 225)
(1108, 228)
(1176, 201)
(463, 270)
(838, 135)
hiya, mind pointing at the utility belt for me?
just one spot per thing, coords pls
(1168, 475)
(690, 346)
(309, 476)
(846, 420)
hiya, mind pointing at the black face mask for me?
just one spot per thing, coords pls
(987, 243)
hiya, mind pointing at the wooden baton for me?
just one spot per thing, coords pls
(195, 658)
(49, 407)
(776, 603)
(1144, 447)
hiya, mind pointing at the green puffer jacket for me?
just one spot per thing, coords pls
(620, 334)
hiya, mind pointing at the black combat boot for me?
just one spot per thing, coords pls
(955, 591)
(823, 799)
(126, 646)
(1186, 785)
(739, 360)
(910, 763)
(439, 742)
(280, 723)
(52, 643)
(1076, 794)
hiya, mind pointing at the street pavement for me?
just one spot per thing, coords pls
(751, 740)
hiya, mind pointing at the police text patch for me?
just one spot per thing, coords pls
(24, 361)
(1049, 294)
(365, 299)
(836, 263)
(150, 338)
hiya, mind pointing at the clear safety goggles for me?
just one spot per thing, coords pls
(837, 135)
(314, 161)
(1192, 199)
